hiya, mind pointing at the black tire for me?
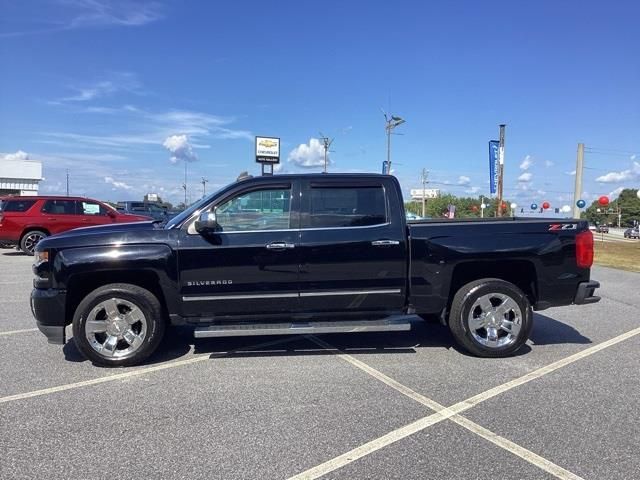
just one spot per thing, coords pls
(30, 239)
(459, 317)
(153, 319)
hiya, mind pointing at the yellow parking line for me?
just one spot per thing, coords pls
(444, 413)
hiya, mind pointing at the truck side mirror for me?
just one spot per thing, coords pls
(206, 222)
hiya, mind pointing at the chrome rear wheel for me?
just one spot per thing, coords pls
(495, 320)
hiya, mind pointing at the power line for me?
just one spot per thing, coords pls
(616, 150)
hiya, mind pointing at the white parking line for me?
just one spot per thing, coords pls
(443, 413)
(139, 372)
(13, 332)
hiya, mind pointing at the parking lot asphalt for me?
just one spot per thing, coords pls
(387, 405)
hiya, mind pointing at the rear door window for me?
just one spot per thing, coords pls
(92, 208)
(17, 205)
(60, 207)
(357, 206)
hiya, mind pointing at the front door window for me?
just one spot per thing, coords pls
(256, 210)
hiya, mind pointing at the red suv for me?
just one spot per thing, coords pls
(24, 221)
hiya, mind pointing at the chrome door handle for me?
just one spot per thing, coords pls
(385, 243)
(280, 246)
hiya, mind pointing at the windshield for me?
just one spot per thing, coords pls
(181, 217)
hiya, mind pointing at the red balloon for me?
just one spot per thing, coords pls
(603, 200)
(504, 205)
(546, 205)
(474, 208)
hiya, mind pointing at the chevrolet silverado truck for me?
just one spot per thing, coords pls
(306, 254)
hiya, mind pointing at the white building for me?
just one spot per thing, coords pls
(19, 177)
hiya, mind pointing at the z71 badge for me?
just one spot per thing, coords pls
(563, 226)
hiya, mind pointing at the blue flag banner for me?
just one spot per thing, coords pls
(493, 165)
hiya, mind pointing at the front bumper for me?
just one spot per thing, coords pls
(585, 293)
(48, 308)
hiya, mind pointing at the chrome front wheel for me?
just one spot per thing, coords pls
(116, 328)
(118, 325)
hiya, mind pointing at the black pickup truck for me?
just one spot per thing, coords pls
(292, 254)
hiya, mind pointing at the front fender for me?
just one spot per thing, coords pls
(94, 261)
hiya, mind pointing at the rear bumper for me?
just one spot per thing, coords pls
(585, 293)
(48, 308)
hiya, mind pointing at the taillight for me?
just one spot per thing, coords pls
(584, 249)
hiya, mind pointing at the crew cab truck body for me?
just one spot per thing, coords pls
(306, 254)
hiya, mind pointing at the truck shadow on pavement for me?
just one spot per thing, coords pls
(179, 340)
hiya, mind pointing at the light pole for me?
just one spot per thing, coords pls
(425, 174)
(204, 190)
(391, 122)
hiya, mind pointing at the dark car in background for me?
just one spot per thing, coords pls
(602, 229)
(632, 233)
(24, 221)
(149, 209)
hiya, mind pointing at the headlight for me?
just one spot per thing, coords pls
(41, 257)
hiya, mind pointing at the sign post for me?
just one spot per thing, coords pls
(267, 153)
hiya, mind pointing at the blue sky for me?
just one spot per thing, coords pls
(103, 88)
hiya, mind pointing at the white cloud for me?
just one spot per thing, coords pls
(631, 174)
(114, 82)
(526, 163)
(180, 148)
(525, 177)
(116, 184)
(633, 157)
(572, 173)
(308, 155)
(77, 14)
(154, 128)
(19, 155)
(464, 180)
(616, 193)
(472, 190)
(548, 163)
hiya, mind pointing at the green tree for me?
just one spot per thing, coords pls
(466, 207)
(627, 203)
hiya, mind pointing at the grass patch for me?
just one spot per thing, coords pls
(625, 256)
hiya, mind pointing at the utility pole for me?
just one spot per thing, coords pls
(184, 185)
(391, 122)
(501, 168)
(204, 190)
(577, 192)
(326, 143)
(425, 175)
(482, 206)
(67, 182)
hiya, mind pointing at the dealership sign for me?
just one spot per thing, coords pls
(416, 193)
(267, 150)
(494, 170)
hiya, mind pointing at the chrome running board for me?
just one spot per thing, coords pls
(393, 324)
